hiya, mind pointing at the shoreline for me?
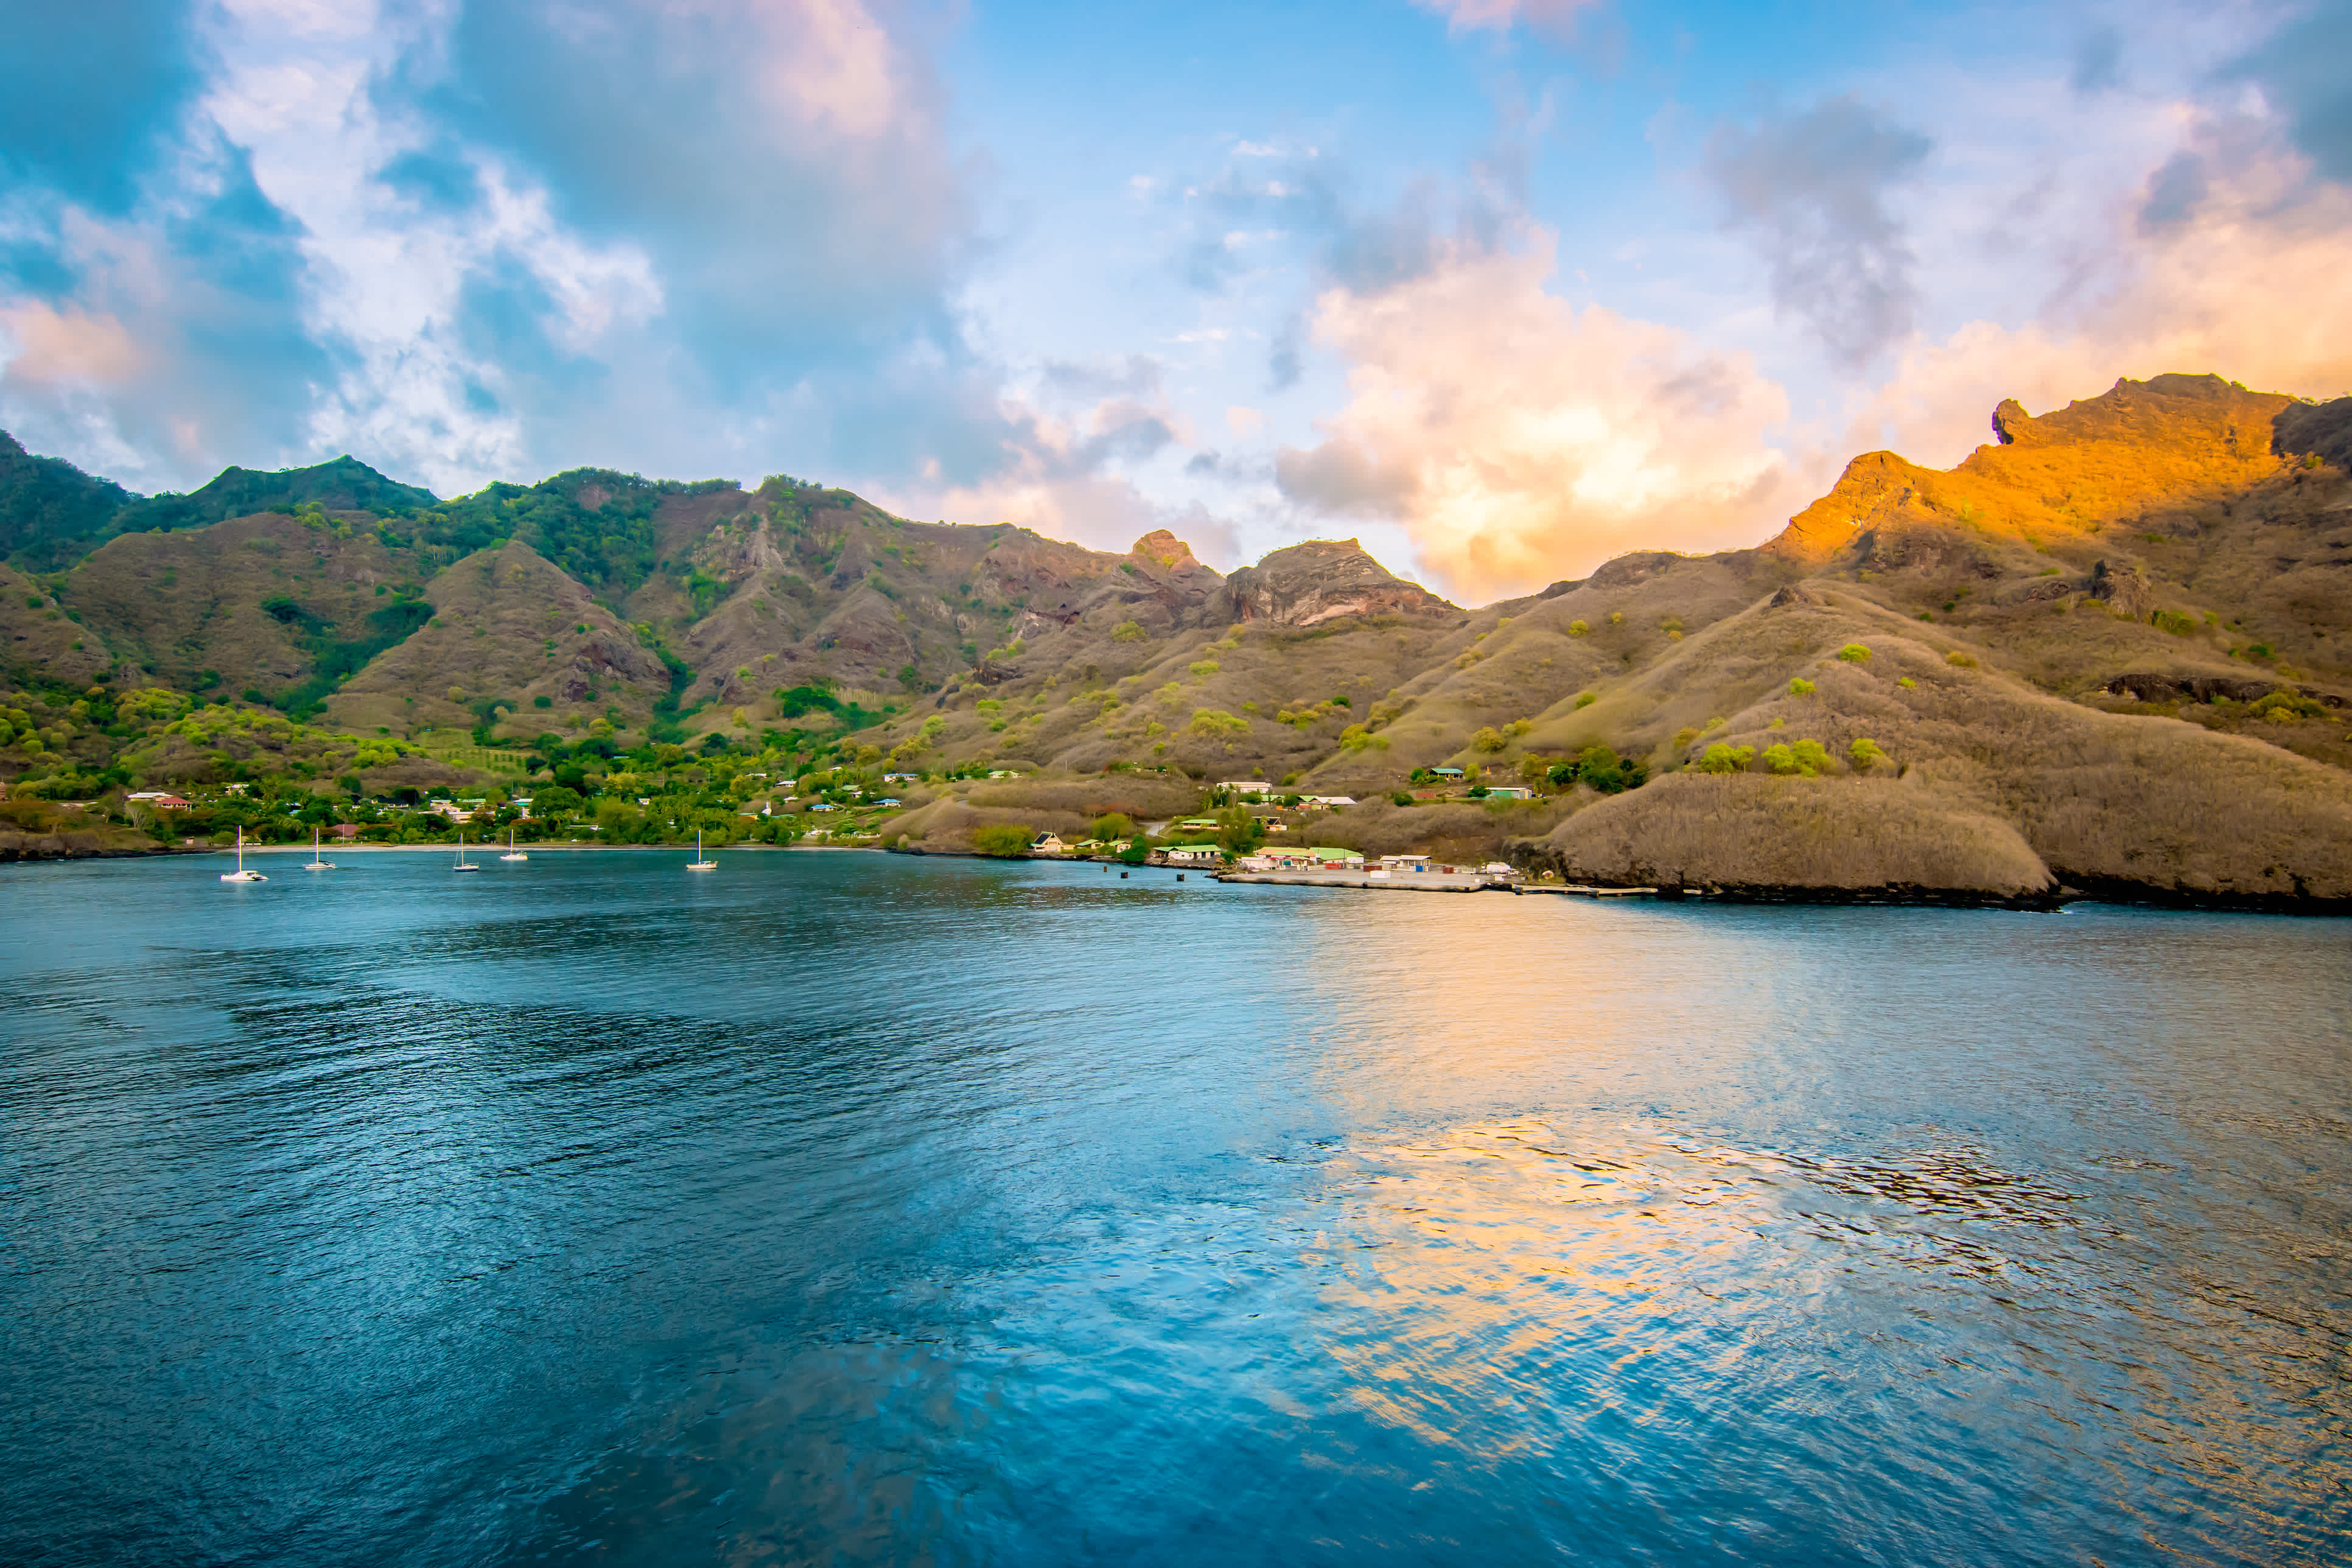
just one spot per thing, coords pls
(2098, 891)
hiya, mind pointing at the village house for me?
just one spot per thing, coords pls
(155, 799)
(1405, 862)
(1048, 842)
(1322, 858)
(1196, 854)
(1246, 786)
(1510, 792)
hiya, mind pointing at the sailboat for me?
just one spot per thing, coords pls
(698, 863)
(512, 853)
(316, 864)
(241, 874)
(462, 864)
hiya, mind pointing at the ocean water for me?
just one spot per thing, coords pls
(844, 1208)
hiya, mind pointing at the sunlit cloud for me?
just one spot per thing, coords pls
(1519, 440)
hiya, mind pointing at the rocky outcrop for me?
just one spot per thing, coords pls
(2125, 589)
(2321, 430)
(1323, 580)
(2147, 686)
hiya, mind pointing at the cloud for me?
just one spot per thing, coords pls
(1810, 192)
(2098, 62)
(2240, 273)
(493, 238)
(1062, 464)
(2301, 71)
(55, 349)
(1559, 16)
(1518, 440)
(91, 96)
(150, 341)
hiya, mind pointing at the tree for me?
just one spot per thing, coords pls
(1864, 753)
(1812, 756)
(1238, 832)
(1002, 840)
(1854, 653)
(1720, 758)
(1112, 826)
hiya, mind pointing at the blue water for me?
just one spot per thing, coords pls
(850, 1208)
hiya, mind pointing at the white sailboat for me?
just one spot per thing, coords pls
(463, 865)
(512, 853)
(698, 863)
(241, 874)
(316, 864)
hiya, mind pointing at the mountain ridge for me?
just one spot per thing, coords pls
(2086, 575)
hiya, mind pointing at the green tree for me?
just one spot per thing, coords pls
(1239, 832)
(1112, 826)
(1720, 758)
(1800, 687)
(1003, 839)
(1866, 752)
(1854, 653)
(1489, 739)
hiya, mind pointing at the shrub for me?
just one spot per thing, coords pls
(1575, 629)
(1907, 683)
(1854, 653)
(2288, 706)
(1206, 668)
(1112, 826)
(1800, 687)
(1356, 738)
(1806, 757)
(1603, 770)
(1489, 739)
(1001, 839)
(1586, 700)
(1217, 722)
(1724, 759)
(1519, 727)
(2175, 623)
(543, 700)
(1959, 661)
(1864, 753)
(1403, 797)
(1128, 631)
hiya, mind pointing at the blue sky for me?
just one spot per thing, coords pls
(1502, 286)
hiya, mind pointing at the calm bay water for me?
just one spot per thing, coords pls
(845, 1208)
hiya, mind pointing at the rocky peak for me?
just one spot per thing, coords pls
(1323, 580)
(1164, 549)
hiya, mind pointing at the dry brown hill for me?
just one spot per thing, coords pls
(513, 640)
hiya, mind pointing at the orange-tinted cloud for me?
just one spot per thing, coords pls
(2233, 263)
(55, 349)
(1518, 440)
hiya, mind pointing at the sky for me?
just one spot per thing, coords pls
(1502, 287)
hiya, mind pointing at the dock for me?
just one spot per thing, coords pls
(1408, 882)
(1581, 891)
